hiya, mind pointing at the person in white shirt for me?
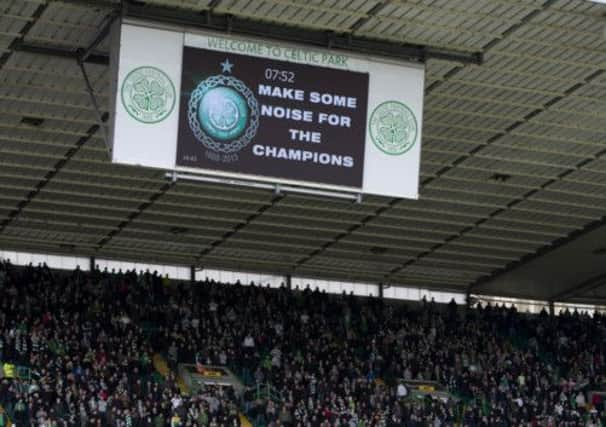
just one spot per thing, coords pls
(580, 400)
(176, 401)
(249, 342)
(401, 391)
(102, 406)
(276, 357)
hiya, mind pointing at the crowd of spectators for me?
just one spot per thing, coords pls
(329, 360)
(90, 359)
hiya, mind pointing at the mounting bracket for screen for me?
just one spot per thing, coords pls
(276, 188)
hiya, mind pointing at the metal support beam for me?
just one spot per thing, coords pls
(288, 281)
(344, 234)
(70, 153)
(231, 24)
(525, 120)
(248, 27)
(213, 4)
(527, 18)
(275, 188)
(192, 274)
(381, 290)
(580, 288)
(106, 27)
(395, 202)
(90, 3)
(88, 54)
(372, 12)
(50, 175)
(133, 215)
(344, 42)
(93, 100)
(98, 58)
(24, 31)
(551, 308)
(588, 228)
(92, 263)
(214, 245)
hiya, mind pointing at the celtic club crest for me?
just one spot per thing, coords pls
(223, 113)
(148, 94)
(393, 128)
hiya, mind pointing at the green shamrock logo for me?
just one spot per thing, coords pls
(393, 128)
(225, 115)
(148, 95)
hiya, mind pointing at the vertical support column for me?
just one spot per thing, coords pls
(192, 274)
(551, 308)
(91, 265)
(288, 281)
(381, 290)
(93, 98)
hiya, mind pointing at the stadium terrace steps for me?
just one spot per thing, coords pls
(163, 369)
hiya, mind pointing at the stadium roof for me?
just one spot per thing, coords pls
(513, 171)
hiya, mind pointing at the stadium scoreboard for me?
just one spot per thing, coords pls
(221, 105)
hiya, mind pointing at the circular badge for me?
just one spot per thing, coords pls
(393, 128)
(223, 114)
(148, 94)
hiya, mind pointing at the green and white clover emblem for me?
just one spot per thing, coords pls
(393, 128)
(223, 113)
(148, 94)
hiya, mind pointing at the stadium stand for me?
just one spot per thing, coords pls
(83, 346)
(365, 152)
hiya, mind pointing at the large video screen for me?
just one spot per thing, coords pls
(272, 118)
(240, 107)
